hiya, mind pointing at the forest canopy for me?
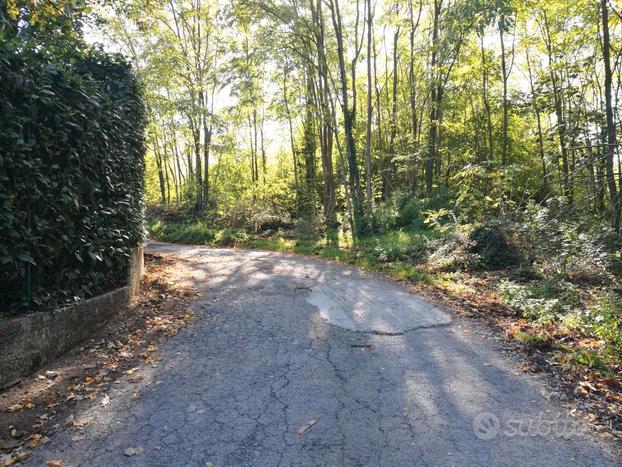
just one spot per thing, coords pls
(326, 109)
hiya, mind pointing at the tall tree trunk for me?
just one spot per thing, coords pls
(505, 74)
(388, 174)
(413, 95)
(263, 150)
(545, 175)
(559, 111)
(310, 147)
(326, 117)
(490, 156)
(611, 129)
(158, 158)
(349, 116)
(434, 103)
(369, 108)
(198, 178)
(291, 137)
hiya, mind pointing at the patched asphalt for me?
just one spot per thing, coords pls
(295, 361)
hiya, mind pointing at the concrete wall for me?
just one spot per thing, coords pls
(32, 340)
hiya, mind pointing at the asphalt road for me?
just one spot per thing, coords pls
(294, 361)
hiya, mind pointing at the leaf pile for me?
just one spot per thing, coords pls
(30, 411)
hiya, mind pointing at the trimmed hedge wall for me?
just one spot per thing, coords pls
(71, 176)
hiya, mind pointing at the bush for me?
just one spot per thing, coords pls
(604, 319)
(452, 252)
(562, 245)
(71, 175)
(540, 302)
(492, 247)
(232, 237)
(380, 219)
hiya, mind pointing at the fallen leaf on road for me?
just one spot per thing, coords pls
(35, 440)
(307, 425)
(105, 400)
(22, 456)
(54, 464)
(25, 404)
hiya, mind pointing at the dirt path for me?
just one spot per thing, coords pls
(294, 361)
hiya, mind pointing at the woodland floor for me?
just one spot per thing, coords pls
(290, 360)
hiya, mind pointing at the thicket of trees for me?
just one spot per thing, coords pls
(492, 102)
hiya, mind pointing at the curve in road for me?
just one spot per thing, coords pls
(295, 361)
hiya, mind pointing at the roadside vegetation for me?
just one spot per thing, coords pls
(555, 277)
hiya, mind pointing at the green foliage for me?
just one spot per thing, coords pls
(401, 245)
(540, 301)
(71, 174)
(604, 319)
(492, 247)
(188, 232)
(408, 211)
(232, 237)
(479, 191)
(564, 246)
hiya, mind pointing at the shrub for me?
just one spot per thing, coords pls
(231, 237)
(492, 247)
(453, 251)
(604, 319)
(71, 175)
(564, 246)
(535, 303)
(380, 219)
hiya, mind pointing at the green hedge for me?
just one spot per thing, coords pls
(71, 176)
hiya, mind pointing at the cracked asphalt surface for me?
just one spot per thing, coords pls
(270, 374)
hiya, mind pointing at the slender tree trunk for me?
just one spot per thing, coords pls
(504, 76)
(490, 156)
(369, 108)
(196, 137)
(158, 158)
(413, 96)
(611, 129)
(291, 137)
(393, 120)
(326, 117)
(559, 111)
(434, 103)
(263, 150)
(349, 116)
(545, 175)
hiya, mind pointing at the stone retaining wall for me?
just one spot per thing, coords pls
(32, 340)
